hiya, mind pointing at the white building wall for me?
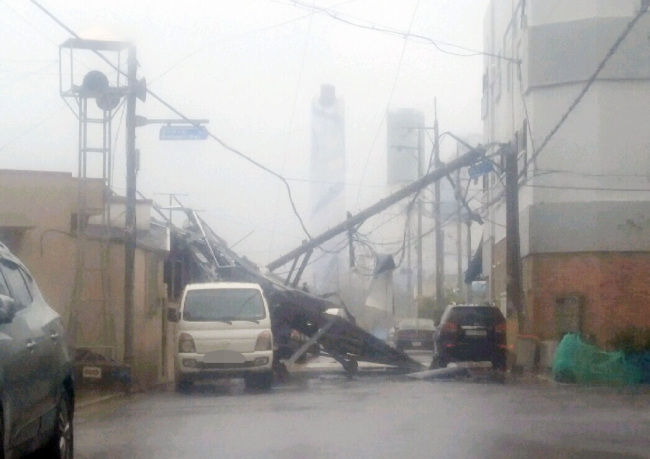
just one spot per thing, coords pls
(327, 185)
(603, 145)
(554, 11)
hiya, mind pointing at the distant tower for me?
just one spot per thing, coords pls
(327, 181)
(405, 148)
(405, 137)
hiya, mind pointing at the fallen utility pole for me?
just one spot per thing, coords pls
(465, 160)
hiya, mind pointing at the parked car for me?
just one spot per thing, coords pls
(413, 334)
(469, 332)
(224, 330)
(36, 376)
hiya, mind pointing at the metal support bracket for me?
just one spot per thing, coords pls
(303, 265)
(311, 341)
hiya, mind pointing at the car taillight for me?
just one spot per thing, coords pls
(264, 341)
(449, 327)
(500, 328)
(186, 344)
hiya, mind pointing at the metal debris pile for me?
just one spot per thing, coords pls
(299, 310)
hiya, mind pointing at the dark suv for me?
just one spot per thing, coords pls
(36, 386)
(469, 332)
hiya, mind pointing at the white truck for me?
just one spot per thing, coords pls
(223, 330)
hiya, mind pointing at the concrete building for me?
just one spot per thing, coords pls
(39, 223)
(584, 200)
(327, 184)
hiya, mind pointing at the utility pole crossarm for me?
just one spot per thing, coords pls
(465, 160)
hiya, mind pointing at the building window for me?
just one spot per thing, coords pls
(568, 315)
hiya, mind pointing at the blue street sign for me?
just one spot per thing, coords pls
(481, 168)
(183, 133)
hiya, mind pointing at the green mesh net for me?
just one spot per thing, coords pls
(578, 362)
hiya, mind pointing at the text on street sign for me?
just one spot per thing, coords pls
(183, 133)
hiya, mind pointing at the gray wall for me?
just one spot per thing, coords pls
(570, 51)
(585, 227)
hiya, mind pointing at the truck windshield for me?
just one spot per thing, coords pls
(226, 305)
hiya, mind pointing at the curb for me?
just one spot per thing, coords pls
(80, 404)
(319, 371)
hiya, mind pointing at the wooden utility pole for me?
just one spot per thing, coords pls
(420, 204)
(468, 293)
(440, 258)
(514, 288)
(459, 230)
(409, 265)
(130, 226)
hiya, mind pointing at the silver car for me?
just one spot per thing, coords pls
(36, 385)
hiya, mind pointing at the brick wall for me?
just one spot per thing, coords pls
(614, 289)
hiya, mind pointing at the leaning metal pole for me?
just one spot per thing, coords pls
(465, 160)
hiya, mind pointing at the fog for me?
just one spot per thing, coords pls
(252, 68)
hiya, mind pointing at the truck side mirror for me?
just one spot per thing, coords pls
(173, 315)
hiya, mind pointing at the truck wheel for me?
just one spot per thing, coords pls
(258, 381)
(183, 384)
(351, 367)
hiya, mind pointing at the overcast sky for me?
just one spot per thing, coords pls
(251, 67)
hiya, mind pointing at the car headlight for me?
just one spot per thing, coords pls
(264, 341)
(186, 344)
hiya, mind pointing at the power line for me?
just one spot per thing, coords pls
(523, 101)
(30, 128)
(250, 32)
(644, 8)
(390, 98)
(201, 48)
(540, 172)
(291, 119)
(497, 199)
(328, 182)
(181, 115)
(39, 31)
(117, 135)
(407, 223)
(587, 188)
(342, 246)
(413, 238)
(394, 32)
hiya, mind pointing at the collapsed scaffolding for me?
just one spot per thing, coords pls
(347, 343)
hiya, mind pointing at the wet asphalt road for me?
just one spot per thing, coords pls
(370, 416)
